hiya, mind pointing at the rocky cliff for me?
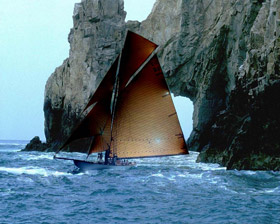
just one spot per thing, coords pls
(95, 40)
(223, 55)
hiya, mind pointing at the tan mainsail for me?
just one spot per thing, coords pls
(97, 123)
(146, 123)
(135, 52)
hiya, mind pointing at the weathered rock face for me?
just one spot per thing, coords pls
(223, 55)
(245, 134)
(95, 41)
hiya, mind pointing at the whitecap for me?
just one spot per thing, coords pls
(195, 176)
(35, 157)
(181, 175)
(210, 166)
(10, 150)
(25, 179)
(249, 172)
(6, 192)
(157, 175)
(14, 144)
(191, 162)
(213, 181)
(269, 191)
(191, 175)
(33, 171)
(172, 178)
(224, 187)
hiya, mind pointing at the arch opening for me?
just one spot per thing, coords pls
(184, 108)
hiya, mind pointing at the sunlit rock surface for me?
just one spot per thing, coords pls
(223, 55)
(95, 40)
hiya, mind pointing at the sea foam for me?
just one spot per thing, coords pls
(33, 171)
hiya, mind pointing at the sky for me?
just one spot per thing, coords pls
(33, 42)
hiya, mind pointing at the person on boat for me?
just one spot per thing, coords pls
(115, 159)
(100, 156)
(107, 153)
(118, 162)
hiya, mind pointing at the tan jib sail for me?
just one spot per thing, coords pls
(97, 125)
(146, 123)
(105, 88)
(135, 52)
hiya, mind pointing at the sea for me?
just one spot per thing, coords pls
(35, 188)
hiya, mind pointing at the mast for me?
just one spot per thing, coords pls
(114, 102)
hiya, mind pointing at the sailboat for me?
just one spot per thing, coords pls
(131, 113)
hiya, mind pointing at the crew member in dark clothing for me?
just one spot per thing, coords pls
(114, 159)
(101, 156)
(107, 153)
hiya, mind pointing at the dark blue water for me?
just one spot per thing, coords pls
(37, 189)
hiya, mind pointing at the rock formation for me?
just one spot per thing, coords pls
(245, 134)
(223, 55)
(35, 144)
(95, 40)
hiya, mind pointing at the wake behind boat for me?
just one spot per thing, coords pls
(132, 114)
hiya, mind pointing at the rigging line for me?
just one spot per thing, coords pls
(90, 145)
(115, 96)
(113, 117)
(115, 91)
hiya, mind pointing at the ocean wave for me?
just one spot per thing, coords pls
(273, 190)
(191, 162)
(6, 192)
(188, 175)
(265, 191)
(9, 150)
(33, 171)
(247, 172)
(36, 157)
(191, 175)
(9, 143)
(180, 161)
(157, 175)
(11, 147)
